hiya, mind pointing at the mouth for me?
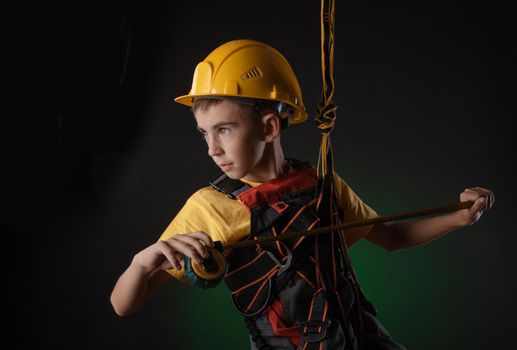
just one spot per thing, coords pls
(225, 167)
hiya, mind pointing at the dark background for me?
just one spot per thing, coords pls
(97, 159)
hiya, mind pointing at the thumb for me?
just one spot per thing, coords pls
(478, 205)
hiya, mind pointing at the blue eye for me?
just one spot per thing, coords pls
(224, 131)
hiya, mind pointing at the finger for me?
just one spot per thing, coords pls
(480, 190)
(175, 259)
(477, 206)
(182, 244)
(178, 265)
(203, 237)
(489, 195)
(194, 243)
(469, 195)
(170, 255)
(200, 237)
(492, 198)
(180, 257)
(475, 192)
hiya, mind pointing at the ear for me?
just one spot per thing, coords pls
(272, 127)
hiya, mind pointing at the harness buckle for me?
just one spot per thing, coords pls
(228, 186)
(313, 331)
(282, 267)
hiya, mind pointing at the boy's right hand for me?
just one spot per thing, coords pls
(169, 253)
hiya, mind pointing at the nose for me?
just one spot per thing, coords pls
(214, 146)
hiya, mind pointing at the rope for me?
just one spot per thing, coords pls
(395, 217)
(326, 110)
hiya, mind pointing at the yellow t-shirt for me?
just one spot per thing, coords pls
(227, 220)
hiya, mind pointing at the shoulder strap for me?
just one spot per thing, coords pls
(232, 187)
(298, 164)
(229, 186)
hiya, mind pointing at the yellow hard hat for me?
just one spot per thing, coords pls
(247, 69)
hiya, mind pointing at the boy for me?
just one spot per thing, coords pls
(291, 293)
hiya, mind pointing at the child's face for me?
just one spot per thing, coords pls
(235, 140)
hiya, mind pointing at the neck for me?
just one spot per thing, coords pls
(271, 166)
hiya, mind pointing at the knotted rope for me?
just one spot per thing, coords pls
(326, 109)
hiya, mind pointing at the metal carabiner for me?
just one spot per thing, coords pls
(282, 267)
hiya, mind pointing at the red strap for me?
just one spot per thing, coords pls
(275, 315)
(269, 192)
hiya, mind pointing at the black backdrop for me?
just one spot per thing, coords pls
(97, 158)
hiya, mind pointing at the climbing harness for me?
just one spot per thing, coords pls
(278, 259)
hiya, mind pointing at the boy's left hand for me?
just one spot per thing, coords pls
(483, 200)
